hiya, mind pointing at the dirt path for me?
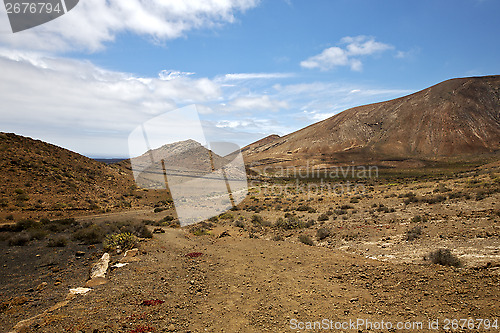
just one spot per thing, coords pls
(253, 285)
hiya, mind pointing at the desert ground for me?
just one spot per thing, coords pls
(292, 257)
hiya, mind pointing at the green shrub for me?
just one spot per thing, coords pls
(57, 241)
(444, 257)
(59, 225)
(322, 233)
(122, 241)
(306, 208)
(323, 217)
(92, 234)
(306, 240)
(226, 216)
(413, 233)
(257, 219)
(37, 233)
(23, 225)
(20, 239)
(239, 224)
(138, 229)
(292, 222)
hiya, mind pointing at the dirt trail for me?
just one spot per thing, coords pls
(254, 285)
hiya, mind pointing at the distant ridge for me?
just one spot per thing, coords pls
(458, 118)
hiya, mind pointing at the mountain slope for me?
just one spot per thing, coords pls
(458, 117)
(39, 179)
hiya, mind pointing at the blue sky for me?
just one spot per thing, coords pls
(85, 80)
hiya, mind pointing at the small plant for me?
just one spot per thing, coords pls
(418, 219)
(305, 239)
(239, 224)
(292, 222)
(226, 216)
(322, 233)
(37, 233)
(306, 208)
(57, 241)
(20, 239)
(323, 217)
(92, 234)
(122, 241)
(443, 257)
(23, 225)
(413, 233)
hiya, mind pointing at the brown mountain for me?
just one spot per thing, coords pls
(458, 118)
(38, 179)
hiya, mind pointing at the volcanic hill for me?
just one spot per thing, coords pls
(455, 119)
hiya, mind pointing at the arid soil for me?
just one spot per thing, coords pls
(252, 270)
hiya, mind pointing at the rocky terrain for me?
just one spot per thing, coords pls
(281, 258)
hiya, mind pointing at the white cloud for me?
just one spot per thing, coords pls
(255, 76)
(363, 45)
(173, 74)
(92, 23)
(257, 103)
(335, 56)
(52, 97)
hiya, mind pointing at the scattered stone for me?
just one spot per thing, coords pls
(41, 286)
(99, 269)
(225, 233)
(130, 256)
(158, 231)
(79, 254)
(97, 281)
(131, 253)
(118, 265)
(79, 290)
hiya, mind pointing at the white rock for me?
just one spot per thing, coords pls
(79, 290)
(99, 269)
(118, 265)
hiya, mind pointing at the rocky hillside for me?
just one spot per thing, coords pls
(456, 118)
(39, 179)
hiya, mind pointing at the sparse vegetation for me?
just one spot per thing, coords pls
(323, 217)
(413, 233)
(322, 233)
(19, 239)
(57, 241)
(444, 257)
(122, 241)
(291, 223)
(305, 239)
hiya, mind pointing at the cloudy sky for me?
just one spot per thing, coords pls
(87, 79)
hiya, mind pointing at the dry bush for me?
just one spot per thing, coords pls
(413, 233)
(305, 239)
(444, 257)
(322, 233)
